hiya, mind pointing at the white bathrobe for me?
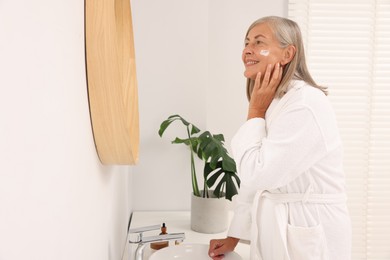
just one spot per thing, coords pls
(292, 203)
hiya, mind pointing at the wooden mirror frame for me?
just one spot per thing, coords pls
(111, 80)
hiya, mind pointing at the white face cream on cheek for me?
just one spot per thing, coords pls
(264, 52)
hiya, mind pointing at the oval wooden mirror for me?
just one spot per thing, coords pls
(111, 80)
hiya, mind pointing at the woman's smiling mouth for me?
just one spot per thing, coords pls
(251, 62)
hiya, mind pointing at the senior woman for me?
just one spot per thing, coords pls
(292, 201)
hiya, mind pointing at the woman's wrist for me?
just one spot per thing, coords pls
(234, 240)
(253, 113)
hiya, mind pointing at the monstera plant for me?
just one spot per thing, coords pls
(219, 168)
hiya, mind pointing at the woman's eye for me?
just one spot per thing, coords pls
(246, 44)
(259, 42)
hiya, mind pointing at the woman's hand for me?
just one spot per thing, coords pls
(264, 92)
(218, 247)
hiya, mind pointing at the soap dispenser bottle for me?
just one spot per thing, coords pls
(163, 229)
(159, 245)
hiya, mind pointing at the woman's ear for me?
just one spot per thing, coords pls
(288, 54)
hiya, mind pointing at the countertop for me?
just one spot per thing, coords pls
(178, 221)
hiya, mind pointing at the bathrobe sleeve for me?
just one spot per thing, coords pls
(271, 159)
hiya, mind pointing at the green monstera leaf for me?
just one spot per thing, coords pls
(219, 170)
(227, 183)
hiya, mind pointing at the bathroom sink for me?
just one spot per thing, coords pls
(188, 252)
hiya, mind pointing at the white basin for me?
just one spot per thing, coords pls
(188, 252)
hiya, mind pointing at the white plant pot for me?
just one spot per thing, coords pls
(209, 215)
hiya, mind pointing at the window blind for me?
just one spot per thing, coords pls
(348, 50)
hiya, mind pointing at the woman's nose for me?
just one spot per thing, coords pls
(248, 50)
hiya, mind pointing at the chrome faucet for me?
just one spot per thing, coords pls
(143, 241)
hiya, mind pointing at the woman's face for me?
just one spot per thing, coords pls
(261, 49)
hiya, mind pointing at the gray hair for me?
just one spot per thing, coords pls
(287, 33)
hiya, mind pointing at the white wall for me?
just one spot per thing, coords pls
(171, 51)
(189, 63)
(56, 200)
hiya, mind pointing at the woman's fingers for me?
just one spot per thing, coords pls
(216, 249)
(219, 247)
(271, 77)
(266, 76)
(257, 80)
(276, 76)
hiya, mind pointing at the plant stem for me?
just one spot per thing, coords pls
(193, 176)
(193, 171)
(205, 190)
